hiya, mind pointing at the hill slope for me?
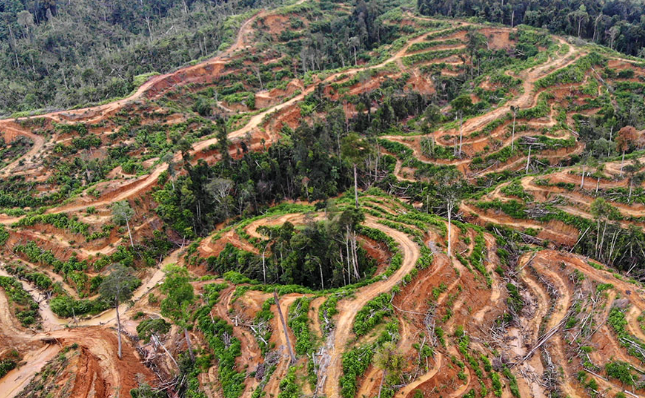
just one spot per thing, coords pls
(488, 248)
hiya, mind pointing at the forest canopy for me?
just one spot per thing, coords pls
(62, 54)
(58, 54)
(617, 24)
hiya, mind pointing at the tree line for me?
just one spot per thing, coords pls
(617, 24)
(57, 54)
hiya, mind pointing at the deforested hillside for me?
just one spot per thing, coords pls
(350, 199)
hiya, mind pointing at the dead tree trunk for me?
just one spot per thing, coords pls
(355, 186)
(189, 345)
(118, 327)
(127, 222)
(449, 228)
(284, 327)
(528, 161)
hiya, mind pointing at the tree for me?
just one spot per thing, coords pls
(354, 42)
(621, 371)
(460, 105)
(122, 213)
(169, 159)
(602, 211)
(391, 362)
(184, 147)
(450, 184)
(579, 16)
(219, 189)
(474, 42)
(632, 170)
(223, 142)
(514, 109)
(624, 138)
(118, 287)
(584, 162)
(354, 151)
(613, 33)
(284, 326)
(180, 296)
(600, 168)
(203, 107)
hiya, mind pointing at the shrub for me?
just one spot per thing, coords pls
(148, 327)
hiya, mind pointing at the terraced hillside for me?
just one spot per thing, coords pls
(456, 210)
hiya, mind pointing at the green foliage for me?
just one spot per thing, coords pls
(512, 382)
(180, 295)
(477, 258)
(618, 323)
(65, 306)
(40, 280)
(6, 365)
(372, 313)
(573, 73)
(232, 380)
(26, 309)
(118, 286)
(511, 207)
(497, 384)
(355, 363)
(621, 371)
(559, 17)
(38, 255)
(424, 45)
(430, 56)
(516, 189)
(289, 387)
(75, 37)
(299, 324)
(514, 299)
(264, 331)
(326, 311)
(148, 327)
(4, 235)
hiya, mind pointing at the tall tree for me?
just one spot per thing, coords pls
(450, 186)
(579, 17)
(122, 213)
(633, 177)
(514, 109)
(602, 211)
(625, 137)
(460, 106)
(118, 287)
(354, 151)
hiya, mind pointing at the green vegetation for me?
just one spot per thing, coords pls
(61, 221)
(26, 309)
(6, 365)
(372, 313)
(622, 371)
(355, 363)
(618, 323)
(148, 327)
(39, 279)
(264, 332)
(106, 50)
(326, 311)
(218, 334)
(580, 19)
(299, 324)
